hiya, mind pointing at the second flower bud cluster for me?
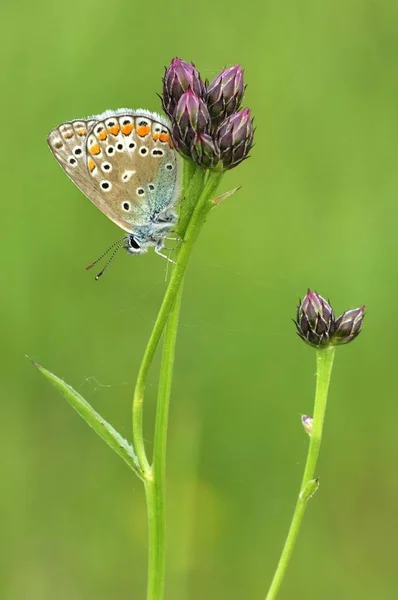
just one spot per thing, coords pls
(207, 123)
(317, 325)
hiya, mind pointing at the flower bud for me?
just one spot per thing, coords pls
(309, 490)
(179, 77)
(191, 118)
(204, 151)
(234, 138)
(307, 423)
(225, 93)
(315, 320)
(348, 325)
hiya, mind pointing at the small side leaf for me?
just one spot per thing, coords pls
(104, 429)
(226, 195)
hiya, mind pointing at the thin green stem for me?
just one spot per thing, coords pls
(168, 314)
(198, 217)
(156, 487)
(324, 370)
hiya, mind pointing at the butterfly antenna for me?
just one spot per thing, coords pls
(116, 245)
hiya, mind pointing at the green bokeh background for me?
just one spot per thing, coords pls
(318, 208)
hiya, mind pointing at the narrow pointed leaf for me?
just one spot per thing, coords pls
(226, 195)
(104, 429)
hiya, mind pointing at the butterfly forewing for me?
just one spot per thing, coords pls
(68, 144)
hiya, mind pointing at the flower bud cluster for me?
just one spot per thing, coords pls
(208, 124)
(318, 327)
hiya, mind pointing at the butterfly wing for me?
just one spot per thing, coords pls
(123, 161)
(68, 142)
(131, 158)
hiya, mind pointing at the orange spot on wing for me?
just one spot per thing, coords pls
(156, 136)
(68, 134)
(95, 149)
(114, 130)
(91, 164)
(102, 135)
(143, 130)
(81, 131)
(171, 143)
(126, 129)
(164, 137)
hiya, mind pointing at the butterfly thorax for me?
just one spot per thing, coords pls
(150, 234)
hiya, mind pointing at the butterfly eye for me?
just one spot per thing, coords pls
(133, 243)
(169, 167)
(110, 150)
(119, 147)
(77, 151)
(140, 191)
(132, 145)
(143, 151)
(126, 206)
(72, 161)
(157, 152)
(106, 167)
(151, 187)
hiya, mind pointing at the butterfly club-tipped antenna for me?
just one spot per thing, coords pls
(115, 247)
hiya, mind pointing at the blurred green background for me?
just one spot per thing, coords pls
(318, 208)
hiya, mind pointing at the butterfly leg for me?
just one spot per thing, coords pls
(158, 251)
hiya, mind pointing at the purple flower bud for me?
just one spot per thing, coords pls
(315, 320)
(179, 77)
(204, 151)
(234, 138)
(225, 93)
(348, 325)
(191, 118)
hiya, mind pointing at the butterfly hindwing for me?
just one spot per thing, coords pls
(131, 158)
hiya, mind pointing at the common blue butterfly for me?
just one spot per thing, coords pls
(124, 161)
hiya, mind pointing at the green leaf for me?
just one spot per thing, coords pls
(120, 445)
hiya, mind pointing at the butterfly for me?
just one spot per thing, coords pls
(124, 161)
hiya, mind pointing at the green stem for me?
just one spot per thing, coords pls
(324, 370)
(194, 226)
(156, 487)
(155, 475)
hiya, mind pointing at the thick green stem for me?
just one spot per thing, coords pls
(156, 487)
(198, 218)
(324, 370)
